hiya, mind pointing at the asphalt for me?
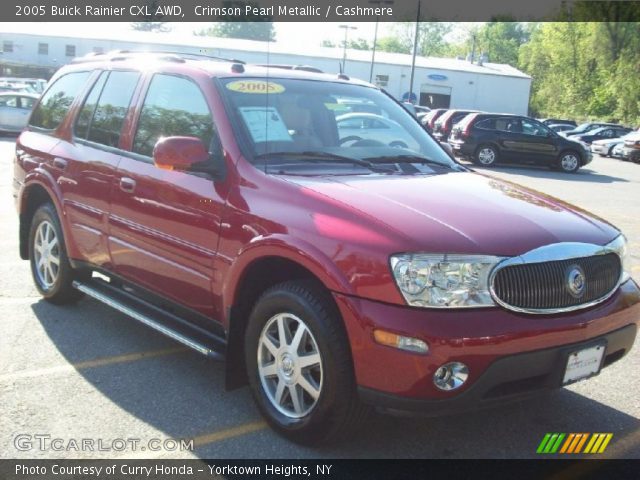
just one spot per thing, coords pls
(88, 372)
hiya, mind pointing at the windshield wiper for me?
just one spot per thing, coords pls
(327, 157)
(404, 158)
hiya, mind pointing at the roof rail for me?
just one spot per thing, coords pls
(305, 68)
(171, 55)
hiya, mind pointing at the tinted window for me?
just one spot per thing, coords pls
(8, 101)
(507, 124)
(174, 106)
(488, 124)
(86, 113)
(56, 101)
(533, 128)
(112, 107)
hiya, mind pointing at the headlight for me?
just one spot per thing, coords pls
(444, 281)
(620, 246)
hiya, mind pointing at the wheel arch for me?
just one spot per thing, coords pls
(253, 272)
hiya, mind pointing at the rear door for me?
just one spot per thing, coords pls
(536, 142)
(87, 164)
(164, 224)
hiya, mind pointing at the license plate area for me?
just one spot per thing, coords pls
(584, 363)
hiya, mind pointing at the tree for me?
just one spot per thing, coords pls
(393, 45)
(501, 41)
(263, 31)
(150, 26)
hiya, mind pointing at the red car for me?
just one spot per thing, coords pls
(216, 202)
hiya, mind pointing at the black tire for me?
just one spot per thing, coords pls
(337, 411)
(59, 290)
(569, 166)
(610, 152)
(486, 155)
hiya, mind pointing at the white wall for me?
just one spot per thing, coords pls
(496, 93)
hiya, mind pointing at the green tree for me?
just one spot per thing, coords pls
(393, 45)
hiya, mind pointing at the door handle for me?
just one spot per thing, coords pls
(127, 184)
(60, 163)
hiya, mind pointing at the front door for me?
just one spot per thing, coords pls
(164, 224)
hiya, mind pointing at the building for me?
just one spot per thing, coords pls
(438, 82)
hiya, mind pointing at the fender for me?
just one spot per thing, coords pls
(39, 176)
(290, 248)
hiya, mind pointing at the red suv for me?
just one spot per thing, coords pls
(217, 203)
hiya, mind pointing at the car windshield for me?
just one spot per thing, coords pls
(330, 126)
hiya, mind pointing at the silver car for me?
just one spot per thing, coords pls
(15, 109)
(358, 127)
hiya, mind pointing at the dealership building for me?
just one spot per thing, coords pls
(438, 82)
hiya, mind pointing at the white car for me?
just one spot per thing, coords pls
(357, 127)
(15, 109)
(606, 146)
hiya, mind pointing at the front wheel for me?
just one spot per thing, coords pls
(52, 273)
(486, 155)
(569, 162)
(299, 365)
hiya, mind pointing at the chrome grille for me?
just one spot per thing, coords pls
(544, 286)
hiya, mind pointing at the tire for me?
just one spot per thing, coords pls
(53, 281)
(336, 411)
(610, 152)
(569, 161)
(486, 155)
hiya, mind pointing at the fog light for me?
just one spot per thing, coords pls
(451, 376)
(408, 344)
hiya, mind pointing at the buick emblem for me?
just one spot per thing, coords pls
(576, 281)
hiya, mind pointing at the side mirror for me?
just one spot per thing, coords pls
(181, 153)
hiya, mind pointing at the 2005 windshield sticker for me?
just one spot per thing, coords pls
(255, 86)
(265, 124)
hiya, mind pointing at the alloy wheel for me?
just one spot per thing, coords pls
(486, 156)
(569, 162)
(47, 254)
(289, 365)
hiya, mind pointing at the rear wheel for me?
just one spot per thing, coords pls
(52, 273)
(299, 365)
(486, 155)
(569, 162)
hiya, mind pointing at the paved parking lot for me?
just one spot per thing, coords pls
(87, 371)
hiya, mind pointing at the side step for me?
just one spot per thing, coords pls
(153, 316)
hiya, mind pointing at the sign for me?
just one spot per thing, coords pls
(437, 77)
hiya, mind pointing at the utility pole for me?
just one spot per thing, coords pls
(344, 47)
(415, 51)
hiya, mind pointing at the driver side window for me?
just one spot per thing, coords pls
(532, 128)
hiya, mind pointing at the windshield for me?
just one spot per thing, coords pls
(294, 121)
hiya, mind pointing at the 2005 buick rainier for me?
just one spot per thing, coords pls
(303, 227)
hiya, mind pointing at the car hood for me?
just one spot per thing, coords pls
(457, 212)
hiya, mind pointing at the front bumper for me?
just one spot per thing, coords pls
(508, 379)
(631, 154)
(600, 149)
(481, 338)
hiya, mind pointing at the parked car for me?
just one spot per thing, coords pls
(429, 120)
(601, 133)
(557, 121)
(561, 127)
(218, 206)
(586, 127)
(444, 124)
(489, 138)
(37, 84)
(14, 110)
(631, 148)
(606, 147)
(356, 127)
(617, 151)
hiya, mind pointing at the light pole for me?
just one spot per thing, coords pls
(415, 51)
(344, 47)
(375, 34)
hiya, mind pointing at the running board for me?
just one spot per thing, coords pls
(153, 316)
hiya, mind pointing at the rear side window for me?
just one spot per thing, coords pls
(105, 125)
(508, 125)
(174, 106)
(55, 103)
(488, 124)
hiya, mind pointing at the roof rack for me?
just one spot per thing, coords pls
(170, 55)
(304, 68)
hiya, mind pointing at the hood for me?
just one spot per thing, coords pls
(457, 212)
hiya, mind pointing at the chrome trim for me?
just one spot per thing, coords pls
(552, 253)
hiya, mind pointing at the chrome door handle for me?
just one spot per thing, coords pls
(127, 184)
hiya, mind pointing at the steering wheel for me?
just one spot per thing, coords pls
(350, 138)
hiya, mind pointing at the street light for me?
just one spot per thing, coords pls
(415, 51)
(375, 34)
(344, 48)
